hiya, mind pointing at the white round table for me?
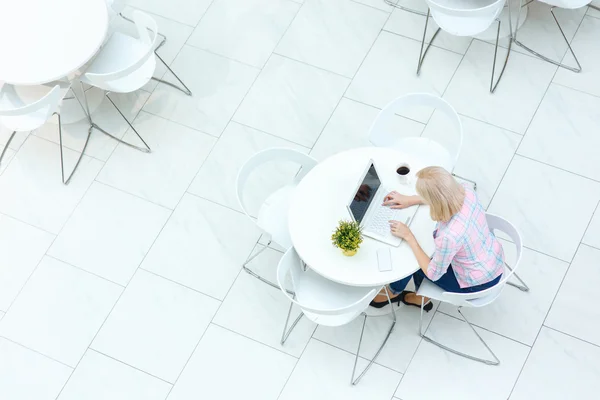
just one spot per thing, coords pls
(320, 201)
(45, 40)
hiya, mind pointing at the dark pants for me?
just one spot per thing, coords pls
(447, 282)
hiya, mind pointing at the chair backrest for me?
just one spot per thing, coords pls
(291, 264)
(465, 17)
(116, 5)
(272, 154)
(380, 136)
(495, 223)
(47, 104)
(147, 34)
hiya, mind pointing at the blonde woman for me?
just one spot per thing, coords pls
(467, 256)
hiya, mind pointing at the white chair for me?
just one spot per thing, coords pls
(124, 65)
(425, 148)
(325, 302)
(115, 9)
(476, 299)
(465, 18)
(273, 214)
(26, 108)
(566, 4)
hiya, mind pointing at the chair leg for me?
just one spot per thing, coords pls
(590, 6)
(574, 69)
(496, 361)
(60, 143)
(421, 53)
(390, 3)
(145, 149)
(260, 278)
(523, 286)
(185, 89)
(493, 85)
(355, 381)
(465, 179)
(6, 145)
(286, 333)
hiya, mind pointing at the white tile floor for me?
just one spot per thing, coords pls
(126, 284)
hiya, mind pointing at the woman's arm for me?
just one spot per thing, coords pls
(396, 200)
(402, 231)
(420, 255)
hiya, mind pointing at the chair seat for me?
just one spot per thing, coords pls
(465, 17)
(430, 151)
(273, 216)
(120, 52)
(314, 291)
(431, 290)
(19, 96)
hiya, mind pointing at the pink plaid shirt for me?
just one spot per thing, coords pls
(467, 243)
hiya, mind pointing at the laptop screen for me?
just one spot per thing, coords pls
(365, 194)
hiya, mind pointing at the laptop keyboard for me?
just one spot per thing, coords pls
(379, 222)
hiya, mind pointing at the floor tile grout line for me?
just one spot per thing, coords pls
(214, 202)
(487, 329)
(146, 112)
(559, 168)
(84, 270)
(373, 7)
(134, 195)
(129, 365)
(51, 244)
(312, 66)
(179, 283)
(37, 352)
(435, 45)
(350, 83)
(214, 53)
(211, 322)
(37, 266)
(231, 119)
(28, 224)
(255, 341)
(267, 133)
(91, 341)
(572, 336)
(589, 222)
(490, 203)
(539, 252)
(421, 341)
(525, 131)
(576, 89)
(551, 304)
(354, 355)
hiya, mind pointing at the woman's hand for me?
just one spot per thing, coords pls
(396, 200)
(400, 230)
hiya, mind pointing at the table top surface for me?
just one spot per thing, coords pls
(45, 40)
(320, 201)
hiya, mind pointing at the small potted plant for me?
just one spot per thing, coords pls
(348, 237)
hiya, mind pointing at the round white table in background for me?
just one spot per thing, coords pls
(42, 41)
(320, 201)
(45, 40)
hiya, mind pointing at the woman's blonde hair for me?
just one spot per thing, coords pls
(438, 189)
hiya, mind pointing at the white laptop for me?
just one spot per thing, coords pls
(366, 207)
